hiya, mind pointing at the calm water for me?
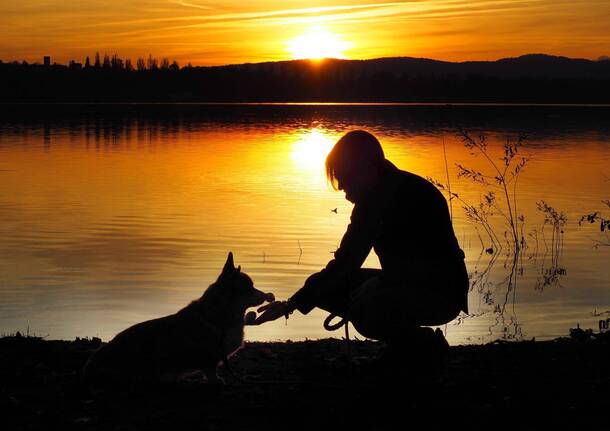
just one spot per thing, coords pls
(114, 215)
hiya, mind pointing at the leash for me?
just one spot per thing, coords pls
(329, 326)
(333, 327)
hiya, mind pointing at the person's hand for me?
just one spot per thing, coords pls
(250, 318)
(272, 311)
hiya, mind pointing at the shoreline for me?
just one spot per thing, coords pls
(317, 103)
(310, 383)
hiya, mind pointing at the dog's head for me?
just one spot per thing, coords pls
(239, 286)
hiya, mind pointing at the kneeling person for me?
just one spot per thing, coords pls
(405, 219)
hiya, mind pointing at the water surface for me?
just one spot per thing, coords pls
(114, 215)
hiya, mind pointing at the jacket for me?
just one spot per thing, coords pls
(405, 219)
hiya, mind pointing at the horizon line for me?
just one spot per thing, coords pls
(312, 60)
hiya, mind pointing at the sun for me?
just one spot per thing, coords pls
(316, 44)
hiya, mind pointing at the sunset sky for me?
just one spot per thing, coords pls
(231, 31)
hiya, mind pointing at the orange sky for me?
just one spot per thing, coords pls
(222, 32)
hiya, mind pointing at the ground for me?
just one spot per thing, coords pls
(312, 385)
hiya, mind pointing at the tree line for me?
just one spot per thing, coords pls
(114, 62)
(117, 63)
(109, 78)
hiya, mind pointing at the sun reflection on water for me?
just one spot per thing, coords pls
(310, 151)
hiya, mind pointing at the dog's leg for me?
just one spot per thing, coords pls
(212, 376)
(230, 372)
(227, 366)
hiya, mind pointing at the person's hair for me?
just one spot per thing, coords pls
(352, 150)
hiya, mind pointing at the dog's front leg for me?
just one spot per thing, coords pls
(227, 366)
(230, 371)
(212, 376)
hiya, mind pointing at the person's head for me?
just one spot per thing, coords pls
(354, 164)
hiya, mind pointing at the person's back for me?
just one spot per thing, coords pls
(415, 220)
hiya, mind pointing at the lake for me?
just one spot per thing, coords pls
(114, 214)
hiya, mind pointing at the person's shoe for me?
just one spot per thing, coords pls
(423, 358)
(420, 356)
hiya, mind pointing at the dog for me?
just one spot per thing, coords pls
(200, 336)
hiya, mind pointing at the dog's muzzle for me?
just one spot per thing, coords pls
(260, 297)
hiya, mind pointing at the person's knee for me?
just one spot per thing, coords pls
(366, 326)
(365, 292)
(369, 319)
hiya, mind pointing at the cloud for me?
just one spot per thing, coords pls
(198, 6)
(378, 13)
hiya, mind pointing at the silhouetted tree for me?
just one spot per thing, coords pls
(87, 62)
(106, 64)
(116, 62)
(140, 64)
(151, 63)
(97, 63)
(164, 64)
(174, 66)
(128, 65)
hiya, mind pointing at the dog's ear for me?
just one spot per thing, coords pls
(229, 267)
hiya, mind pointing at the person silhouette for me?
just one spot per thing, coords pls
(422, 281)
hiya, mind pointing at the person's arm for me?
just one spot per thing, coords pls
(355, 246)
(353, 250)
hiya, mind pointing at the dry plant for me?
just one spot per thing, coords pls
(550, 275)
(498, 199)
(503, 176)
(604, 225)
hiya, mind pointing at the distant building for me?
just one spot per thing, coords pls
(47, 60)
(75, 65)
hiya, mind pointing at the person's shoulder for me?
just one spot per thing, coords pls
(412, 179)
(416, 184)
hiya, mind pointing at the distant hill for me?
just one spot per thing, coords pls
(533, 78)
(530, 65)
